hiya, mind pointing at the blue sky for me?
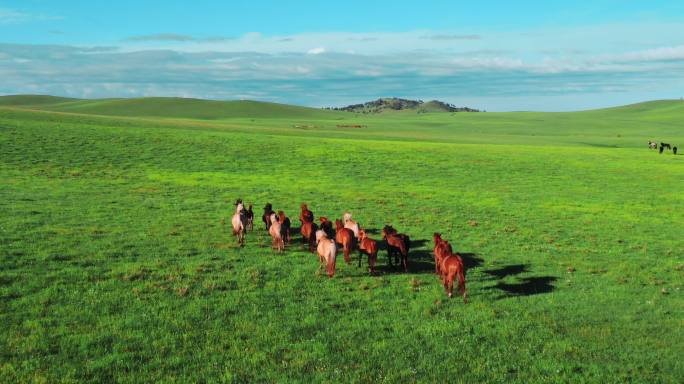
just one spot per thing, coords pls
(494, 55)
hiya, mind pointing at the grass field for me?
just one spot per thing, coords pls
(117, 263)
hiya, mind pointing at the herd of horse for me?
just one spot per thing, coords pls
(663, 146)
(348, 235)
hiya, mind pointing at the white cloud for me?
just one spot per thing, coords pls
(11, 16)
(316, 51)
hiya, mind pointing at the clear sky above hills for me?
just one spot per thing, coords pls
(494, 55)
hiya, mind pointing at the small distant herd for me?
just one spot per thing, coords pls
(663, 146)
(348, 235)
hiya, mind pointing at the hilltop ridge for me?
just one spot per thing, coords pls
(398, 104)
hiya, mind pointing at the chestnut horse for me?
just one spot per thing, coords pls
(327, 252)
(284, 226)
(345, 237)
(370, 248)
(452, 267)
(306, 216)
(396, 242)
(441, 250)
(275, 230)
(308, 231)
(239, 221)
(351, 224)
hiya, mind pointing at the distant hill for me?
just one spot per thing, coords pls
(168, 107)
(397, 104)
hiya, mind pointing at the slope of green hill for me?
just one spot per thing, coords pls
(169, 107)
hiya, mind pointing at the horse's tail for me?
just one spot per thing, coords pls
(331, 259)
(460, 274)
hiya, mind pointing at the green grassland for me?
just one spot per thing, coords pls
(117, 263)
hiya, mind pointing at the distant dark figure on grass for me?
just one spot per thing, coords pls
(344, 237)
(370, 248)
(674, 150)
(284, 226)
(250, 218)
(266, 217)
(665, 146)
(327, 252)
(661, 149)
(397, 243)
(239, 222)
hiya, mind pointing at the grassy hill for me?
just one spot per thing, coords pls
(168, 107)
(117, 261)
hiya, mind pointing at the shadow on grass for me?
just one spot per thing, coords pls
(525, 286)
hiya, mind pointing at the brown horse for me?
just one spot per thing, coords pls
(275, 230)
(284, 226)
(370, 248)
(327, 226)
(452, 267)
(308, 231)
(441, 250)
(266, 217)
(396, 242)
(327, 252)
(306, 216)
(250, 218)
(345, 237)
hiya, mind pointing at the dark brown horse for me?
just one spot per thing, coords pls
(345, 237)
(396, 243)
(266, 217)
(284, 226)
(452, 268)
(250, 218)
(308, 231)
(327, 227)
(306, 216)
(370, 248)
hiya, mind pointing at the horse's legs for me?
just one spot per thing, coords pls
(360, 256)
(389, 255)
(371, 261)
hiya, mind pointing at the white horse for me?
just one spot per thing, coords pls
(238, 222)
(327, 252)
(351, 224)
(274, 230)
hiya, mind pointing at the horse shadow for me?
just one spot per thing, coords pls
(526, 286)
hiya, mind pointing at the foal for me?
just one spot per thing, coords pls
(396, 242)
(370, 248)
(239, 221)
(345, 237)
(275, 230)
(327, 252)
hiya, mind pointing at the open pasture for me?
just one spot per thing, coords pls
(117, 261)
